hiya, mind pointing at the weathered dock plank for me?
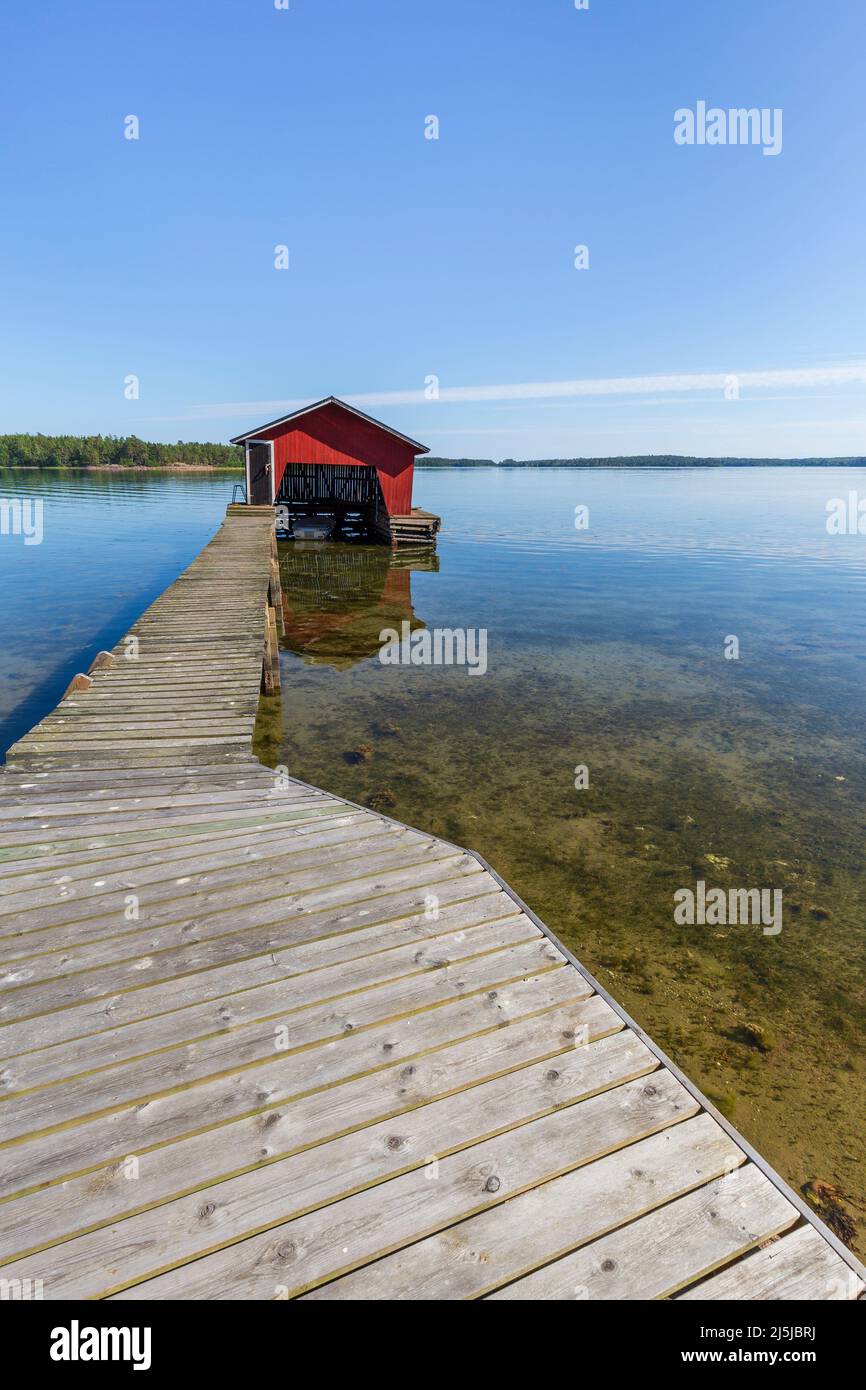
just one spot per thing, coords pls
(258, 1042)
(656, 1254)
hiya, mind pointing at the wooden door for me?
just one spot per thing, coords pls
(260, 466)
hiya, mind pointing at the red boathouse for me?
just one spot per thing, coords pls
(331, 460)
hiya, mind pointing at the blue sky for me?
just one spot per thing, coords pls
(453, 258)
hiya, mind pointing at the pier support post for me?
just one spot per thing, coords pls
(77, 685)
(275, 647)
(275, 589)
(270, 654)
(101, 662)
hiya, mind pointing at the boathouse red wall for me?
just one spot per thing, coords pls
(332, 434)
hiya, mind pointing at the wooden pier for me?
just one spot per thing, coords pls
(258, 1042)
(416, 528)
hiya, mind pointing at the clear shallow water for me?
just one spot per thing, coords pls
(605, 648)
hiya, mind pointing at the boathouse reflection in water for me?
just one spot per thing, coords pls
(337, 597)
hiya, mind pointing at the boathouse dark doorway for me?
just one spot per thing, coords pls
(350, 493)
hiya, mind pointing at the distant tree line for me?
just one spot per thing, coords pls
(645, 461)
(108, 450)
(102, 450)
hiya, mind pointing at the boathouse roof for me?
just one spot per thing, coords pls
(325, 403)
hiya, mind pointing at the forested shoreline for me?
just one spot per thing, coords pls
(111, 451)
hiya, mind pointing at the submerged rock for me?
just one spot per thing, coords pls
(378, 801)
(750, 1035)
(827, 1200)
(718, 861)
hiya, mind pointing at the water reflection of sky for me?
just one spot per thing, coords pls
(761, 513)
(112, 542)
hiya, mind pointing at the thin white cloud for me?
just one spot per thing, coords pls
(798, 378)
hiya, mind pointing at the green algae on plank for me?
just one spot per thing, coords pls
(132, 837)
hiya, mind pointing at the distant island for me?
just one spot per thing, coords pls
(645, 461)
(107, 451)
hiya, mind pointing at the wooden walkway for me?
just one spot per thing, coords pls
(258, 1042)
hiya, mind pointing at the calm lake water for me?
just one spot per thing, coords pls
(605, 649)
(111, 543)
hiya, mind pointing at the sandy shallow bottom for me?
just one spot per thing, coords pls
(741, 774)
